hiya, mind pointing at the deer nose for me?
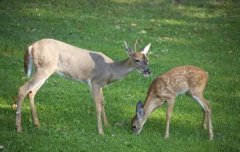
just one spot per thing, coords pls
(146, 71)
(134, 128)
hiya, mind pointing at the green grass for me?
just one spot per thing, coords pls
(203, 33)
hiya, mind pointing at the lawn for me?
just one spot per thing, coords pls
(205, 33)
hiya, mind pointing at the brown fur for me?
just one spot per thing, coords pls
(94, 68)
(167, 87)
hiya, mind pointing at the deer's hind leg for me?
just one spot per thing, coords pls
(31, 95)
(31, 87)
(207, 120)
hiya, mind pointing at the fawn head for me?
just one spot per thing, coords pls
(138, 120)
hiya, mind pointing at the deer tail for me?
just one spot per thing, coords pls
(28, 62)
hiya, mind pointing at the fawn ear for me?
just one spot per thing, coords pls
(128, 49)
(146, 49)
(139, 110)
(139, 105)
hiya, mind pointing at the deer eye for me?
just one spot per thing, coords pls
(136, 60)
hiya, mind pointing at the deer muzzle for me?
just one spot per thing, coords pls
(146, 72)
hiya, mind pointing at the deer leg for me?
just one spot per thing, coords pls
(208, 118)
(207, 121)
(205, 114)
(21, 95)
(103, 109)
(96, 89)
(168, 116)
(31, 95)
(37, 79)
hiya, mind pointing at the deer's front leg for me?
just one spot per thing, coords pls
(103, 109)
(168, 116)
(96, 89)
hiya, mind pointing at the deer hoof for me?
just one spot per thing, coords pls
(166, 136)
(37, 125)
(100, 132)
(19, 128)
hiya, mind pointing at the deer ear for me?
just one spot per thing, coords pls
(139, 110)
(146, 49)
(140, 113)
(139, 105)
(128, 49)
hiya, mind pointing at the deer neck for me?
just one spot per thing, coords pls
(121, 69)
(149, 106)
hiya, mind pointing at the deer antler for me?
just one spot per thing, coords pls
(135, 46)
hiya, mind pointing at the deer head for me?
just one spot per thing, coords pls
(139, 59)
(138, 121)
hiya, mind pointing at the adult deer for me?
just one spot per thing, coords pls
(166, 88)
(96, 69)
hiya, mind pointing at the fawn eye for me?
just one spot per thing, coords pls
(136, 60)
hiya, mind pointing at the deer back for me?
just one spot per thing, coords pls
(178, 81)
